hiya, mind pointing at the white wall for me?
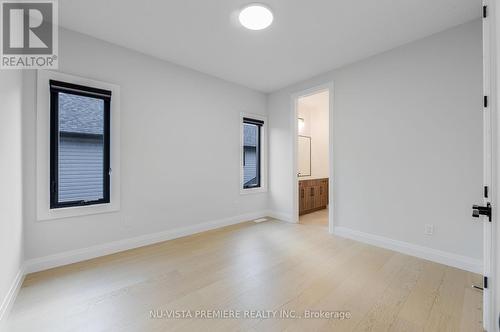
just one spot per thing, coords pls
(320, 137)
(407, 142)
(314, 110)
(179, 148)
(304, 151)
(11, 224)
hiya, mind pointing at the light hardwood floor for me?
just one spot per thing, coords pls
(318, 218)
(265, 266)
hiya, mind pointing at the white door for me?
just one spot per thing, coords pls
(487, 176)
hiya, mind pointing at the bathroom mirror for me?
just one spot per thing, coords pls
(304, 150)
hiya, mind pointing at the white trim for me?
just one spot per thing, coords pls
(9, 299)
(263, 152)
(293, 118)
(280, 216)
(491, 54)
(488, 304)
(73, 256)
(43, 148)
(438, 256)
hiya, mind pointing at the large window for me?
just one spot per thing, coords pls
(79, 145)
(252, 138)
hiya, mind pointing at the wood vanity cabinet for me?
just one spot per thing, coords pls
(313, 195)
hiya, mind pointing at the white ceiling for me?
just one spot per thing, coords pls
(306, 38)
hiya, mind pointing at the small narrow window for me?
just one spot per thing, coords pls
(252, 137)
(79, 145)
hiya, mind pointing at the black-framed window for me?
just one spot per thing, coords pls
(79, 145)
(252, 166)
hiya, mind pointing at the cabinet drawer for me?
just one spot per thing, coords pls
(313, 195)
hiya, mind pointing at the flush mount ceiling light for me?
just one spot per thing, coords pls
(256, 17)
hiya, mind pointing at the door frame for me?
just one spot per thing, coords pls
(294, 144)
(491, 51)
(488, 171)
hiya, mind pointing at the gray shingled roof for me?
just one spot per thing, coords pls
(82, 115)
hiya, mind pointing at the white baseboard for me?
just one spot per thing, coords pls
(280, 216)
(438, 256)
(8, 301)
(73, 256)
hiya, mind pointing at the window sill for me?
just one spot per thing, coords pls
(250, 191)
(77, 211)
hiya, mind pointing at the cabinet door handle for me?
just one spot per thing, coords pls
(312, 191)
(302, 193)
(321, 190)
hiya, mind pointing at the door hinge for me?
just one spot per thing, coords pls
(485, 101)
(485, 11)
(485, 191)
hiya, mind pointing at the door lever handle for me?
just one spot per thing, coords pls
(478, 210)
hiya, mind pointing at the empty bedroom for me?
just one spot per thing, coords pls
(324, 165)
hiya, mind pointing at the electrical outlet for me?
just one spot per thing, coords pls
(429, 229)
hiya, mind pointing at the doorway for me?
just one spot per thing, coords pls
(313, 157)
